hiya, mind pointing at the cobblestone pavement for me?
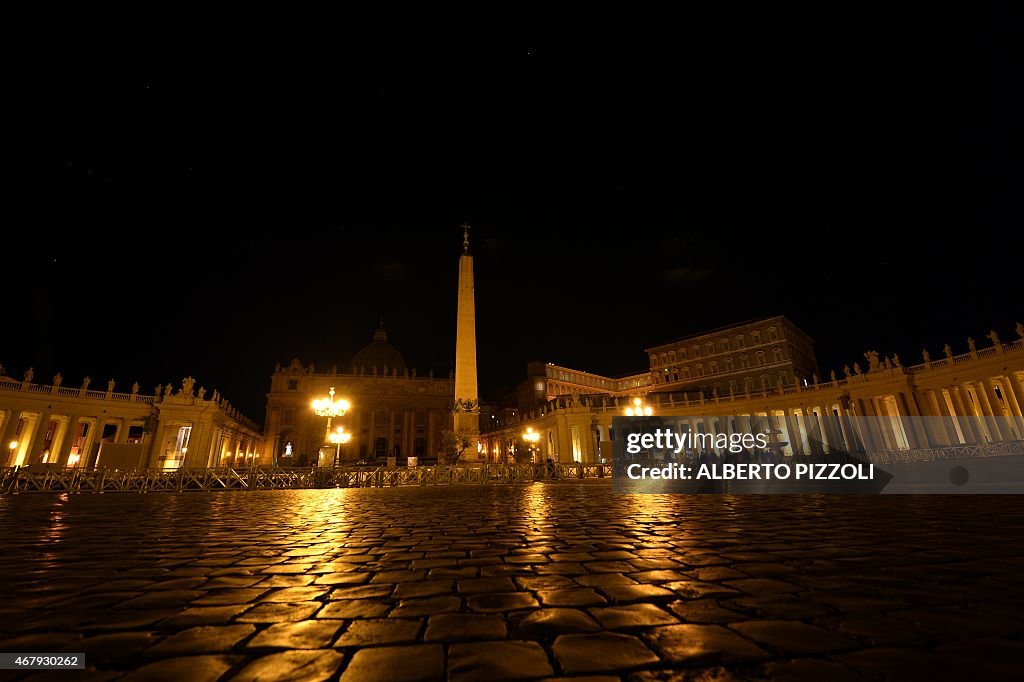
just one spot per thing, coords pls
(512, 582)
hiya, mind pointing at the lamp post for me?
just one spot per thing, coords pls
(642, 410)
(639, 409)
(339, 436)
(330, 408)
(531, 437)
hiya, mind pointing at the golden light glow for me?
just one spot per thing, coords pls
(340, 436)
(530, 435)
(13, 444)
(639, 409)
(329, 407)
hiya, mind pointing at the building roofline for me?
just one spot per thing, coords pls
(728, 327)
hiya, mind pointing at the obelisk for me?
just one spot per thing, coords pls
(467, 403)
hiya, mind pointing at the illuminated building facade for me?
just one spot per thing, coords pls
(980, 392)
(53, 424)
(394, 411)
(751, 356)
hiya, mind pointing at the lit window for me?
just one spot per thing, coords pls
(293, 384)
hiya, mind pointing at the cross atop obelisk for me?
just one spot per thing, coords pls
(467, 404)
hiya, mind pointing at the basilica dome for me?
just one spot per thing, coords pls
(378, 354)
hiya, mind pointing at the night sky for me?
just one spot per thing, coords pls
(209, 195)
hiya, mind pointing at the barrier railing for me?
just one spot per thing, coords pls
(44, 478)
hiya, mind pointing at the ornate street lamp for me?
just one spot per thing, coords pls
(330, 408)
(339, 437)
(639, 409)
(531, 437)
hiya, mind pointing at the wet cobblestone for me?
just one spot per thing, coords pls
(515, 582)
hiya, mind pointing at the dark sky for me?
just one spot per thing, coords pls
(208, 195)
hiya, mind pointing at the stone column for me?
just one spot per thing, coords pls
(940, 425)
(123, 429)
(36, 441)
(872, 438)
(156, 446)
(391, 434)
(70, 432)
(916, 435)
(1013, 400)
(965, 417)
(11, 421)
(996, 419)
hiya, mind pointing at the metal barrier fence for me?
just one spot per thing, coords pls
(44, 479)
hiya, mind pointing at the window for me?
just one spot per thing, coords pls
(675, 374)
(759, 358)
(732, 386)
(696, 351)
(293, 384)
(728, 364)
(783, 379)
(714, 367)
(380, 447)
(686, 372)
(772, 334)
(288, 416)
(725, 345)
(755, 337)
(682, 353)
(700, 370)
(711, 347)
(740, 341)
(777, 354)
(744, 361)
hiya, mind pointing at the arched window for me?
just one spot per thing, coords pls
(777, 355)
(696, 351)
(759, 358)
(732, 386)
(682, 353)
(755, 337)
(671, 356)
(784, 378)
(728, 364)
(700, 370)
(740, 341)
(714, 367)
(725, 345)
(686, 372)
(744, 361)
(764, 381)
(711, 347)
(772, 334)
